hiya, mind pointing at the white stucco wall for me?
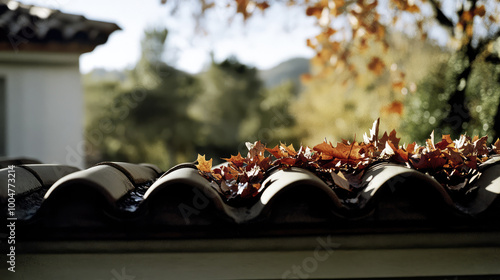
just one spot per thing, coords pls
(44, 107)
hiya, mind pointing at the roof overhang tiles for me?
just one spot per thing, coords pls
(124, 200)
(38, 29)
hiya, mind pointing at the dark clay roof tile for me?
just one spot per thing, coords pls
(24, 182)
(137, 195)
(107, 180)
(48, 174)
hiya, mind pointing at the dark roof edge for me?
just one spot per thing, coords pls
(340, 242)
(44, 19)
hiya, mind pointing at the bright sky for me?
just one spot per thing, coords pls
(263, 42)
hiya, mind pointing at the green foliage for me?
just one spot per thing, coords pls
(161, 115)
(146, 115)
(234, 108)
(428, 109)
(273, 121)
(338, 107)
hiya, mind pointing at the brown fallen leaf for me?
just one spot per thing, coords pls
(204, 165)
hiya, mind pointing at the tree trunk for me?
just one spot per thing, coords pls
(496, 124)
(459, 112)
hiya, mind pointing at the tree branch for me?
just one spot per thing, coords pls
(441, 17)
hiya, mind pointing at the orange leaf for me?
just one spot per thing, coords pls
(241, 7)
(401, 155)
(326, 150)
(310, 44)
(376, 65)
(496, 146)
(480, 147)
(391, 137)
(411, 147)
(432, 160)
(445, 142)
(398, 86)
(330, 31)
(255, 149)
(480, 11)
(263, 5)
(229, 173)
(413, 9)
(396, 107)
(453, 157)
(466, 16)
(237, 160)
(276, 151)
(290, 151)
(314, 11)
(204, 165)
(287, 161)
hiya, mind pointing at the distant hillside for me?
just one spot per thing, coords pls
(288, 70)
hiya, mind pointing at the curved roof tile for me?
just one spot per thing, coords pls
(49, 30)
(141, 196)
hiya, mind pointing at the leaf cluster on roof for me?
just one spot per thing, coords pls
(454, 163)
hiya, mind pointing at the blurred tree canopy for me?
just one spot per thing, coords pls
(351, 29)
(431, 110)
(420, 65)
(158, 114)
(340, 109)
(146, 112)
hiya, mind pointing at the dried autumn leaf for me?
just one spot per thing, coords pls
(204, 165)
(376, 65)
(401, 156)
(396, 107)
(241, 8)
(471, 162)
(262, 5)
(276, 152)
(340, 180)
(373, 133)
(388, 151)
(411, 147)
(480, 148)
(261, 161)
(326, 150)
(455, 159)
(229, 173)
(445, 142)
(287, 161)
(398, 86)
(496, 146)
(452, 163)
(432, 160)
(480, 11)
(314, 11)
(385, 138)
(430, 142)
(413, 9)
(466, 16)
(255, 149)
(256, 186)
(290, 151)
(217, 174)
(237, 160)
